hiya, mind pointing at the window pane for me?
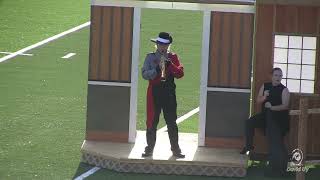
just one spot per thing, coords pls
(294, 71)
(309, 57)
(284, 82)
(281, 41)
(283, 67)
(293, 85)
(307, 86)
(309, 42)
(294, 56)
(295, 42)
(280, 55)
(307, 72)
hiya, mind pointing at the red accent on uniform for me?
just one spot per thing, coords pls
(176, 69)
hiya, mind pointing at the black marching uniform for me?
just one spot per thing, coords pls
(161, 95)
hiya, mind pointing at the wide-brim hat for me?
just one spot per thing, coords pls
(163, 38)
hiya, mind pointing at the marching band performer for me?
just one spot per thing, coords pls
(160, 68)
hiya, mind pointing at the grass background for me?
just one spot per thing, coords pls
(25, 22)
(43, 105)
(43, 98)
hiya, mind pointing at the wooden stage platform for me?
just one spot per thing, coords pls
(126, 157)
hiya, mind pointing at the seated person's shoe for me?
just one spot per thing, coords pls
(246, 150)
(178, 154)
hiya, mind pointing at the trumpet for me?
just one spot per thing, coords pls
(163, 60)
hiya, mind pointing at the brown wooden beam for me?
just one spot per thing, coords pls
(224, 142)
(107, 136)
(302, 132)
(290, 2)
(310, 111)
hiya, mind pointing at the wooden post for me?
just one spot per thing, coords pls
(302, 132)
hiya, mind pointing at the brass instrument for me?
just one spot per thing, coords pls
(163, 60)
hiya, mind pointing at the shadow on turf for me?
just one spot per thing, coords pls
(82, 168)
(255, 171)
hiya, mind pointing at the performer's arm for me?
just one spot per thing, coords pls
(175, 67)
(285, 101)
(261, 96)
(149, 72)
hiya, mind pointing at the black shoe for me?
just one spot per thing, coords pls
(147, 154)
(246, 150)
(178, 155)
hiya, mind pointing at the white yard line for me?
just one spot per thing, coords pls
(69, 55)
(182, 118)
(3, 52)
(102, 83)
(88, 173)
(44, 41)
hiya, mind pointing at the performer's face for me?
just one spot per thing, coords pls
(162, 48)
(276, 77)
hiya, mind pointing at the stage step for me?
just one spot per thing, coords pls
(126, 157)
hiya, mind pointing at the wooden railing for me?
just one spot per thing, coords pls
(303, 113)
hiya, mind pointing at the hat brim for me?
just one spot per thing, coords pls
(158, 42)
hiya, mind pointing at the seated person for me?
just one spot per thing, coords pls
(274, 120)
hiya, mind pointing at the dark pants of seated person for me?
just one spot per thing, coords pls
(278, 153)
(256, 121)
(268, 121)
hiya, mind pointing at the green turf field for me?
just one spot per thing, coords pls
(43, 97)
(43, 111)
(26, 22)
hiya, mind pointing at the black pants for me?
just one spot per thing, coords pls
(268, 121)
(165, 100)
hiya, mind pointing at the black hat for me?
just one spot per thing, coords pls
(163, 38)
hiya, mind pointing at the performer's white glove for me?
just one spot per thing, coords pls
(267, 105)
